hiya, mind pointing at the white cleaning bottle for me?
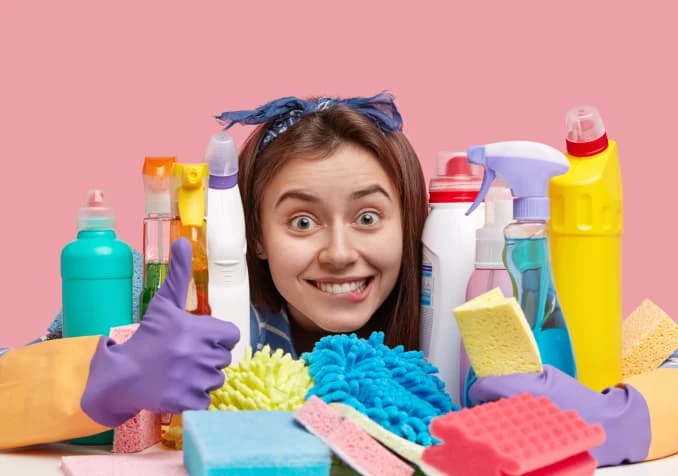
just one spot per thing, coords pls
(229, 293)
(449, 240)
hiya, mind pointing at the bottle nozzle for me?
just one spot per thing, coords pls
(222, 160)
(95, 214)
(585, 131)
(476, 155)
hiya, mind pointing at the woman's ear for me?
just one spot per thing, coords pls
(259, 251)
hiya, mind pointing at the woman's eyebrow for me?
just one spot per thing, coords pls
(298, 195)
(369, 190)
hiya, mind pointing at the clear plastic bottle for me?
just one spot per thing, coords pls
(157, 173)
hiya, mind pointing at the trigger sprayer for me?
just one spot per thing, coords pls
(527, 168)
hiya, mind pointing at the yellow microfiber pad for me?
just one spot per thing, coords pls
(496, 335)
(649, 337)
(263, 381)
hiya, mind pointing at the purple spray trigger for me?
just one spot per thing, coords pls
(476, 155)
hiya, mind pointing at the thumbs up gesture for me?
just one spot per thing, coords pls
(171, 363)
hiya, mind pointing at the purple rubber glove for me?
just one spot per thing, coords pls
(170, 364)
(622, 412)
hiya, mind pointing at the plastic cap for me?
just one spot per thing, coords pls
(221, 155)
(585, 131)
(457, 180)
(96, 215)
(157, 173)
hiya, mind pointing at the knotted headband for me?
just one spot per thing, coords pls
(283, 113)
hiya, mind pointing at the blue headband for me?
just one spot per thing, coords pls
(287, 111)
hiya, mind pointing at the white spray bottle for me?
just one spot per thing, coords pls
(229, 292)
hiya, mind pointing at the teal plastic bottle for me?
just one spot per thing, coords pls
(96, 281)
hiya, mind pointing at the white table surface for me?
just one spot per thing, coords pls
(46, 459)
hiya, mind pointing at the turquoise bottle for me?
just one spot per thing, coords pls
(96, 281)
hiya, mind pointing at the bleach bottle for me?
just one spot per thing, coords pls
(585, 235)
(447, 263)
(527, 167)
(229, 291)
(96, 281)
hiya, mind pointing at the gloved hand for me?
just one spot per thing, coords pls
(622, 411)
(170, 364)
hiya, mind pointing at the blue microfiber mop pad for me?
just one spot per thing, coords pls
(397, 389)
(251, 443)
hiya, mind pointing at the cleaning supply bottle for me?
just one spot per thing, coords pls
(585, 235)
(96, 281)
(527, 167)
(229, 290)
(490, 271)
(447, 262)
(188, 197)
(157, 173)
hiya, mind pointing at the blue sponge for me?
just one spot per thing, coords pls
(251, 443)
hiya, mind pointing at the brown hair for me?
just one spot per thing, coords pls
(317, 135)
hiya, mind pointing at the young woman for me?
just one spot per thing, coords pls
(335, 204)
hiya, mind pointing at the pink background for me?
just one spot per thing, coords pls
(87, 91)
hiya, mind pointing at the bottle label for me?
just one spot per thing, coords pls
(426, 283)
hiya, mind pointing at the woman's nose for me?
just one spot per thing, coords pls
(339, 250)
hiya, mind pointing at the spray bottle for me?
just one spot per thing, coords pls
(188, 196)
(490, 271)
(229, 290)
(447, 263)
(157, 176)
(96, 281)
(527, 167)
(585, 237)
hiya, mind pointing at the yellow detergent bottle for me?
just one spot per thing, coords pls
(585, 237)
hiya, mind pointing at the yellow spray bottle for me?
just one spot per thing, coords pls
(188, 197)
(585, 238)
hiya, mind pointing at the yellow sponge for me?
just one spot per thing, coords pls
(496, 335)
(649, 337)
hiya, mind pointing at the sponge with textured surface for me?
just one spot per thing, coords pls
(649, 337)
(251, 443)
(496, 335)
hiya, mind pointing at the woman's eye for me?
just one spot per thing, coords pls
(302, 223)
(368, 219)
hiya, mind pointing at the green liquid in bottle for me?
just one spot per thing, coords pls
(153, 279)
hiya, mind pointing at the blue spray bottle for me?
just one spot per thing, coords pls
(527, 168)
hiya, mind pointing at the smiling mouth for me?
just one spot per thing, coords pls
(342, 288)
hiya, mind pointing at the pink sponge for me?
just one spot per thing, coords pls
(164, 463)
(349, 441)
(143, 430)
(514, 436)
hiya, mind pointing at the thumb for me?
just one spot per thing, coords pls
(175, 286)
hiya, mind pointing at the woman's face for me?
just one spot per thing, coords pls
(332, 235)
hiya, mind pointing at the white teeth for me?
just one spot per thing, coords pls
(342, 288)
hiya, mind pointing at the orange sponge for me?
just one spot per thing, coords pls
(649, 337)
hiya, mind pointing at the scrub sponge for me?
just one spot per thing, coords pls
(251, 443)
(649, 337)
(496, 335)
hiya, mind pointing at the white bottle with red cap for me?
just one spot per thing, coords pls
(448, 260)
